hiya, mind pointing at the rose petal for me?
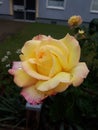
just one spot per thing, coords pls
(40, 37)
(32, 95)
(30, 69)
(22, 79)
(79, 73)
(58, 53)
(16, 65)
(61, 77)
(58, 48)
(44, 62)
(74, 50)
(56, 67)
(28, 50)
(59, 88)
(62, 87)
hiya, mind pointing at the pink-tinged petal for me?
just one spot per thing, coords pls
(16, 65)
(79, 73)
(74, 50)
(32, 95)
(40, 37)
(30, 69)
(22, 79)
(11, 71)
(61, 77)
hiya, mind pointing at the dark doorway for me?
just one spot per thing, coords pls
(30, 9)
(24, 9)
(30, 4)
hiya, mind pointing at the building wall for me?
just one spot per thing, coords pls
(45, 12)
(80, 7)
(5, 7)
(72, 7)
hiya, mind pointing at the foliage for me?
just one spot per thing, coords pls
(75, 108)
(12, 105)
(6, 62)
(93, 26)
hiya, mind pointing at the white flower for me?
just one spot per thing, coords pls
(4, 58)
(7, 65)
(8, 53)
(18, 51)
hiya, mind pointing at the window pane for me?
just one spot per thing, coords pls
(18, 15)
(30, 4)
(18, 2)
(56, 3)
(30, 15)
(94, 5)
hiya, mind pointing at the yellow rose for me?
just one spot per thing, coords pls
(48, 66)
(74, 21)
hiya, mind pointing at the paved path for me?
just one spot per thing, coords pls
(8, 27)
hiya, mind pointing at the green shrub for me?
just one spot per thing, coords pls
(93, 26)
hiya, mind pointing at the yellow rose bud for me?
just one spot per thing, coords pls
(48, 66)
(75, 20)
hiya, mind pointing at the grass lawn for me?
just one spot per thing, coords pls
(16, 41)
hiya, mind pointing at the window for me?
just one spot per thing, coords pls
(56, 4)
(94, 6)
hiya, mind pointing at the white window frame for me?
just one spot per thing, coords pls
(56, 7)
(91, 7)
